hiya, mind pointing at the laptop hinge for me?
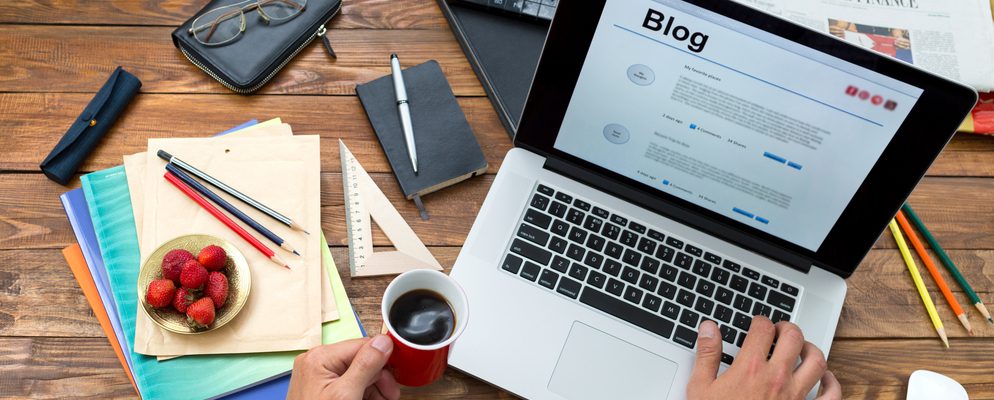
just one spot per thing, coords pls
(679, 214)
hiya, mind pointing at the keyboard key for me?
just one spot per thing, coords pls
(530, 252)
(739, 283)
(560, 227)
(557, 245)
(685, 337)
(614, 250)
(733, 266)
(540, 202)
(596, 279)
(652, 302)
(689, 318)
(558, 209)
(665, 253)
(612, 267)
(687, 280)
(677, 243)
(595, 242)
(741, 321)
(705, 288)
(757, 291)
(720, 275)
(728, 334)
(619, 220)
(727, 359)
(578, 271)
(530, 271)
(712, 258)
(629, 238)
(593, 223)
(779, 316)
(593, 260)
(615, 287)
(701, 268)
(686, 298)
(533, 234)
(770, 281)
(581, 205)
(741, 339)
(633, 294)
(656, 235)
(668, 272)
(704, 306)
(538, 219)
(577, 235)
(761, 309)
(511, 264)
(563, 197)
(742, 303)
(647, 246)
(637, 227)
(569, 288)
(611, 231)
(724, 295)
(560, 264)
(630, 275)
(546, 190)
(693, 250)
(650, 265)
(627, 312)
(548, 279)
(751, 274)
(670, 310)
(723, 314)
(667, 290)
(575, 216)
(683, 260)
(631, 257)
(600, 212)
(648, 282)
(781, 300)
(788, 289)
(575, 252)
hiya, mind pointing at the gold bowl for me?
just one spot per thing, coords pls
(236, 268)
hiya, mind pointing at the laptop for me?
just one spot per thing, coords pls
(679, 161)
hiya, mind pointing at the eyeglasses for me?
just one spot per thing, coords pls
(223, 25)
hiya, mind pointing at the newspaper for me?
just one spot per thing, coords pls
(954, 39)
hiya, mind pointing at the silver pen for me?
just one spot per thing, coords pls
(404, 109)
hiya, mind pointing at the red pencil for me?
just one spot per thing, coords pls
(224, 218)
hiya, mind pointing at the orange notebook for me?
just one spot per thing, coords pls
(74, 256)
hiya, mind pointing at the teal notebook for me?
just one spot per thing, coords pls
(113, 221)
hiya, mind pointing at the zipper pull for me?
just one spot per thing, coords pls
(322, 33)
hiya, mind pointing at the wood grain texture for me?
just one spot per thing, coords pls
(355, 14)
(43, 59)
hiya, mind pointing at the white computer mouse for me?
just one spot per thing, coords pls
(928, 385)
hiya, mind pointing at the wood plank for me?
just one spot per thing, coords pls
(86, 367)
(33, 123)
(41, 298)
(79, 59)
(364, 14)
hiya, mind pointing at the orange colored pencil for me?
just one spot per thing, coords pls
(932, 270)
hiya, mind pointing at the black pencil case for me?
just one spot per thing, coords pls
(263, 48)
(92, 124)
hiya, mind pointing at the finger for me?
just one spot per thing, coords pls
(790, 340)
(758, 340)
(812, 368)
(367, 364)
(335, 357)
(388, 386)
(373, 394)
(831, 389)
(708, 356)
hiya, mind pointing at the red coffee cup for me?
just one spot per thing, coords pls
(414, 364)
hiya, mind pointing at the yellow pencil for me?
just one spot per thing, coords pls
(917, 277)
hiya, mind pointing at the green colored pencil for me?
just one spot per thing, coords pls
(947, 261)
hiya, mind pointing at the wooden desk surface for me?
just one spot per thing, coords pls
(56, 53)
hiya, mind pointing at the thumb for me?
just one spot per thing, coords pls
(708, 355)
(368, 363)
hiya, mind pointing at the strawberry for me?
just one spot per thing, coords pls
(172, 264)
(217, 288)
(183, 298)
(200, 314)
(193, 276)
(160, 293)
(213, 258)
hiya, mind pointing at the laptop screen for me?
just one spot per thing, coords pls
(754, 127)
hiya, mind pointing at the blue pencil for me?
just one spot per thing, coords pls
(229, 208)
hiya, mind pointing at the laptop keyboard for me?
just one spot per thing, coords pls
(542, 10)
(658, 282)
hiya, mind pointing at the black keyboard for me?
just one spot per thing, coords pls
(653, 280)
(541, 10)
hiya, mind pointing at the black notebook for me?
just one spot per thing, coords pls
(448, 152)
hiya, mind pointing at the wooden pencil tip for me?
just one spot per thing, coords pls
(966, 323)
(295, 252)
(942, 335)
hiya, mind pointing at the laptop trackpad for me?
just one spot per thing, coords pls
(595, 365)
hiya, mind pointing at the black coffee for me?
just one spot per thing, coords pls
(422, 317)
